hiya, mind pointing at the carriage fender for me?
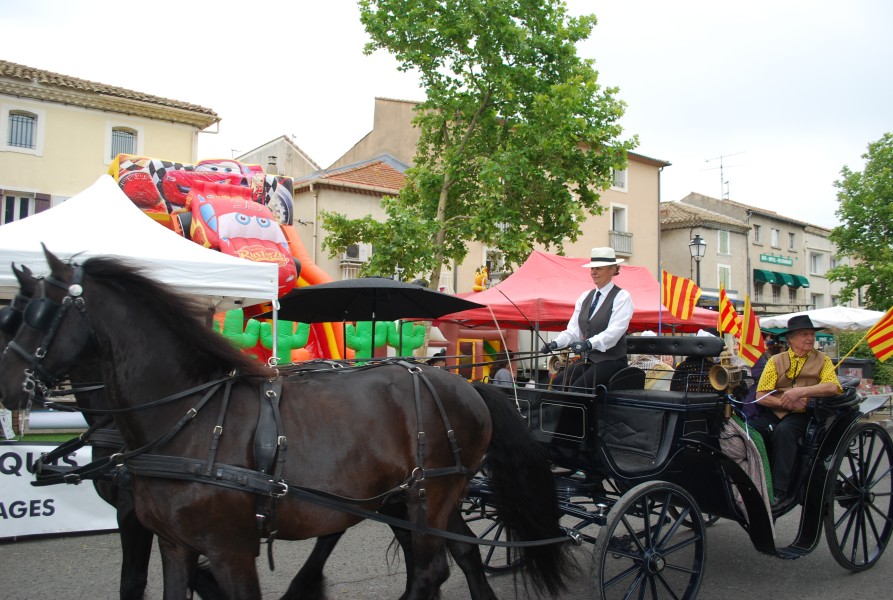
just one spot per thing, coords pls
(759, 521)
(816, 485)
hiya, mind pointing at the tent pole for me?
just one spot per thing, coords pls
(275, 344)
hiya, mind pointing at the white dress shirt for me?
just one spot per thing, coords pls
(620, 318)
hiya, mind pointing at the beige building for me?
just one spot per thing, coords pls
(630, 222)
(786, 260)
(724, 243)
(58, 134)
(281, 157)
(354, 190)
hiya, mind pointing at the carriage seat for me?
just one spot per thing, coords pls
(638, 437)
(628, 378)
(692, 375)
(698, 347)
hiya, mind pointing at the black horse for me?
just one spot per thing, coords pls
(136, 539)
(405, 436)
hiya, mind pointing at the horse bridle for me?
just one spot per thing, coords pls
(43, 314)
(11, 314)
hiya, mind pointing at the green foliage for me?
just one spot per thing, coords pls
(866, 211)
(517, 135)
(883, 372)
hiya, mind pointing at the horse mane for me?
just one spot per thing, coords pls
(184, 315)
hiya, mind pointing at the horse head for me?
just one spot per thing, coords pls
(11, 315)
(48, 335)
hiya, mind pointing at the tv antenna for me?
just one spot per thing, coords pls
(723, 182)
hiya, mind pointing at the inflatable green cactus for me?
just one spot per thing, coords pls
(288, 338)
(413, 337)
(359, 338)
(243, 335)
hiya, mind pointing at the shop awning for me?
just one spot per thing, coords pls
(778, 331)
(776, 278)
(767, 276)
(787, 279)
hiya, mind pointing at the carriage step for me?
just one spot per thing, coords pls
(791, 553)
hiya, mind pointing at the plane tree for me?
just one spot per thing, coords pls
(517, 135)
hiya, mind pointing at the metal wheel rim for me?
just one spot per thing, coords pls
(859, 507)
(646, 551)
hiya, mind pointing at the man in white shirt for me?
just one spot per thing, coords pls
(597, 329)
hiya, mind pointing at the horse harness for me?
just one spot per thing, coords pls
(270, 441)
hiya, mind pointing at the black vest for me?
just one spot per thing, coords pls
(598, 323)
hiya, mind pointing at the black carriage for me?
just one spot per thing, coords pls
(641, 473)
(636, 469)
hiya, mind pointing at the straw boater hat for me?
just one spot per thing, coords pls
(602, 257)
(800, 322)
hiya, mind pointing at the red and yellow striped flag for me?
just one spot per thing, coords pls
(751, 346)
(679, 295)
(880, 337)
(729, 321)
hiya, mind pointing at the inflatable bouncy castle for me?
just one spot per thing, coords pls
(236, 209)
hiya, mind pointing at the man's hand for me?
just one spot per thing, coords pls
(794, 399)
(547, 348)
(581, 347)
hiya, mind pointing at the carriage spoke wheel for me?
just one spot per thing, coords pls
(646, 550)
(485, 524)
(859, 508)
(708, 519)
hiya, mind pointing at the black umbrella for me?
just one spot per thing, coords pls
(367, 299)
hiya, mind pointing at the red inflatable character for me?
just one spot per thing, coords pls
(225, 217)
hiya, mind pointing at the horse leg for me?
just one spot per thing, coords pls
(178, 568)
(205, 584)
(308, 584)
(136, 549)
(234, 567)
(430, 568)
(468, 557)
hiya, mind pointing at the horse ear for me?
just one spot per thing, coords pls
(19, 272)
(56, 265)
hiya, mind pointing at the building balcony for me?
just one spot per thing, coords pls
(621, 242)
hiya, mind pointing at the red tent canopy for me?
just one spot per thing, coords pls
(542, 292)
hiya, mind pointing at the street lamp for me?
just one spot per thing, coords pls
(698, 246)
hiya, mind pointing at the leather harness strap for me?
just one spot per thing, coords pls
(270, 446)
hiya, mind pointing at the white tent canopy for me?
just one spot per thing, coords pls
(102, 221)
(833, 318)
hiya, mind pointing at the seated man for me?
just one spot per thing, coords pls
(787, 383)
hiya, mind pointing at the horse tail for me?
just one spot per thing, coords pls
(524, 493)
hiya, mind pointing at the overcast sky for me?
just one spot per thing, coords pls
(786, 91)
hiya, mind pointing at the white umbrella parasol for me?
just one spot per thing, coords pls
(833, 318)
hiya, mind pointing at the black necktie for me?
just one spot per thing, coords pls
(598, 295)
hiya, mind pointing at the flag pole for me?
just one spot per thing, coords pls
(853, 349)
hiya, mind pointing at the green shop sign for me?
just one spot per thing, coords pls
(777, 260)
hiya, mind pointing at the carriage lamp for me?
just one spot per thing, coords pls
(697, 246)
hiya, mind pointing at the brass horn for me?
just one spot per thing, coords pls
(724, 375)
(557, 362)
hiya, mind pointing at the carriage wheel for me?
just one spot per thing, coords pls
(485, 524)
(708, 519)
(646, 550)
(859, 506)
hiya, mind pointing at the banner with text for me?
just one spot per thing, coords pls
(27, 510)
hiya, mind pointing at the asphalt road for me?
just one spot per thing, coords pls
(361, 567)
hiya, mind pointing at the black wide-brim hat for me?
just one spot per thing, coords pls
(800, 322)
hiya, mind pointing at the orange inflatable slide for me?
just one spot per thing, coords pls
(328, 338)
